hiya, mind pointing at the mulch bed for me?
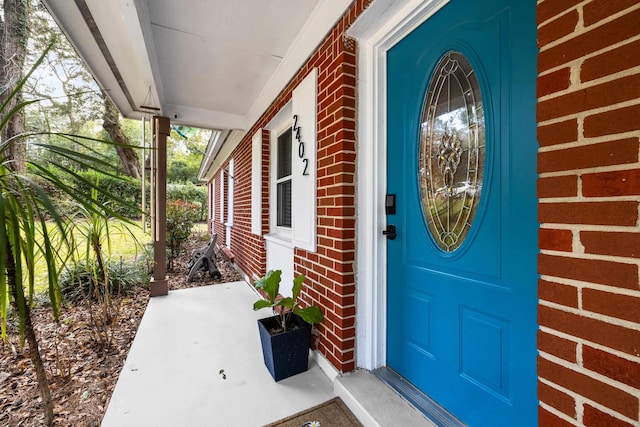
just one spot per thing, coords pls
(82, 372)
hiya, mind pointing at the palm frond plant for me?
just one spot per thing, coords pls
(90, 231)
(25, 211)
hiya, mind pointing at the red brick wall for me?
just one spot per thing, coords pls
(589, 188)
(266, 161)
(330, 270)
(247, 248)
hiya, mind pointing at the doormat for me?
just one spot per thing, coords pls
(332, 413)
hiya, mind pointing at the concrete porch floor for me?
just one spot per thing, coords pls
(172, 375)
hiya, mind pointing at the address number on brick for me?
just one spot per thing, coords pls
(301, 147)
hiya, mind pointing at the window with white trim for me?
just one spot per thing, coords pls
(283, 180)
(293, 147)
(281, 176)
(212, 200)
(230, 193)
(222, 196)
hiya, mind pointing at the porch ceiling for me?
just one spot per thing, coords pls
(213, 64)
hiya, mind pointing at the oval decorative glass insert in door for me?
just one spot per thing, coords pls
(451, 151)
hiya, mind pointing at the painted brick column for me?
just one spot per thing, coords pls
(589, 189)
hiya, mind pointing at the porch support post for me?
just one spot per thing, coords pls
(159, 283)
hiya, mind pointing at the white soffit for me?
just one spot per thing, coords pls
(317, 26)
(124, 41)
(204, 63)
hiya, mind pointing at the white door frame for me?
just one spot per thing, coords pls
(379, 27)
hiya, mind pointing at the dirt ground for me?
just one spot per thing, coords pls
(81, 371)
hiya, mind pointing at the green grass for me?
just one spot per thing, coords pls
(122, 245)
(201, 230)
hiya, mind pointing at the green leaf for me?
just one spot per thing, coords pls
(286, 302)
(15, 110)
(262, 304)
(3, 275)
(297, 286)
(311, 314)
(270, 284)
(15, 281)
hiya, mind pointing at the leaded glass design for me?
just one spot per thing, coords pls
(452, 151)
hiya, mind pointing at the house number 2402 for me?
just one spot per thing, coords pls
(301, 154)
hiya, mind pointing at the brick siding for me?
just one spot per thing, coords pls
(330, 270)
(589, 188)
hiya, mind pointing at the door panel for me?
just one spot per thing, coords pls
(462, 323)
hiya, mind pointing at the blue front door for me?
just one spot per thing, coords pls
(461, 160)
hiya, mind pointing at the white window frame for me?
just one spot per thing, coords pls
(279, 241)
(281, 123)
(284, 179)
(230, 186)
(222, 196)
(212, 200)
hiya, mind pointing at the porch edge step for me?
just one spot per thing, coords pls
(376, 404)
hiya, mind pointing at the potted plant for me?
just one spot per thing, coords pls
(286, 336)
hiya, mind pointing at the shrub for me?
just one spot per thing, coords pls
(181, 216)
(78, 280)
(126, 189)
(191, 194)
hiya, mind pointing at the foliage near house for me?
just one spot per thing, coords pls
(25, 207)
(181, 217)
(190, 193)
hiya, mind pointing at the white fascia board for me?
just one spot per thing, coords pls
(216, 139)
(315, 29)
(227, 148)
(120, 24)
(72, 24)
(118, 29)
(203, 118)
(138, 23)
(219, 148)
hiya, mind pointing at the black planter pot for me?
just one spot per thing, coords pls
(287, 353)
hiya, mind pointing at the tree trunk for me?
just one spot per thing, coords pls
(14, 36)
(41, 374)
(30, 335)
(128, 155)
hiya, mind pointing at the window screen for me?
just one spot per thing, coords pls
(283, 181)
